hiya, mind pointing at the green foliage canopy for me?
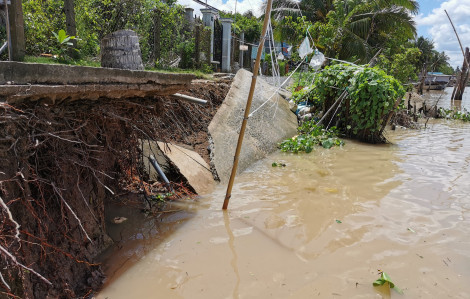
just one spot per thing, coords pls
(372, 95)
(97, 18)
(352, 29)
(403, 65)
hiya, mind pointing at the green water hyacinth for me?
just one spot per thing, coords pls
(385, 279)
(310, 136)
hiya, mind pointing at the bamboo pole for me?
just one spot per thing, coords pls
(267, 17)
(458, 38)
(458, 91)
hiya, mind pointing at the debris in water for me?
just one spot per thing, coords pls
(119, 220)
(276, 164)
(411, 230)
(385, 278)
(338, 221)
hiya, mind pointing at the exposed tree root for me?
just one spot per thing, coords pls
(59, 164)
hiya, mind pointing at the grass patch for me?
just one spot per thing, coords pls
(198, 73)
(51, 60)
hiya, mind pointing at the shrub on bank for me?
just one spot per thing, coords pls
(372, 96)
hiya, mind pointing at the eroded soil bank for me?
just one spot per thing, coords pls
(324, 226)
(60, 164)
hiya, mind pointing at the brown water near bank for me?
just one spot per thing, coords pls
(404, 209)
(432, 96)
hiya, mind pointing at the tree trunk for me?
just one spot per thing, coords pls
(121, 50)
(18, 49)
(462, 82)
(423, 78)
(71, 27)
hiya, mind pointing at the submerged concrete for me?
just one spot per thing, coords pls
(191, 166)
(270, 125)
(34, 81)
(187, 163)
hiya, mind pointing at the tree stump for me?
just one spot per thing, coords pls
(121, 50)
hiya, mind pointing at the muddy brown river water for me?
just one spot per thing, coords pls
(324, 226)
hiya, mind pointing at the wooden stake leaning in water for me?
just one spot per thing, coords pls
(458, 38)
(460, 86)
(228, 194)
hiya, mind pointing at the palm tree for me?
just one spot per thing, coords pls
(313, 10)
(353, 28)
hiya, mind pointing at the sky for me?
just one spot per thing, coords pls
(432, 21)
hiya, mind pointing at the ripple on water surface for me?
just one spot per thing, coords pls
(324, 225)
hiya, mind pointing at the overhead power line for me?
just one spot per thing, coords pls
(206, 5)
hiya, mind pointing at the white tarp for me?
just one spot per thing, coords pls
(317, 60)
(305, 48)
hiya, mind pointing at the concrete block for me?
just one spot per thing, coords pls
(186, 162)
(55, 83)
(273, 123)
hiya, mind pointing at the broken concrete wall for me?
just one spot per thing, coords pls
(54, 83)
(189, 165)
(270, 125)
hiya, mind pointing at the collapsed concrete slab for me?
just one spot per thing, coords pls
(270, 125)
(187, 163)
(415, 100)
(54, 82)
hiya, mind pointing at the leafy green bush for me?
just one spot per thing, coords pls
(311, 135)
(401, 65)
(247, 23)
(41, 18)
(282, 68)
(373, 95)
(302, 79)
(97, 18)
(64, 43)
(186, 49)
(371, 98)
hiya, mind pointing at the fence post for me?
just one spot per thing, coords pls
(197, 45)
(157, 35)
(250, 60)
(242, 42)
(189, 18)
(208, 16)
(226, 44)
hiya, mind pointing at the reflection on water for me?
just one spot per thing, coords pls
(325, 225)
(234, 261)
(444, 96)
(139, 233)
